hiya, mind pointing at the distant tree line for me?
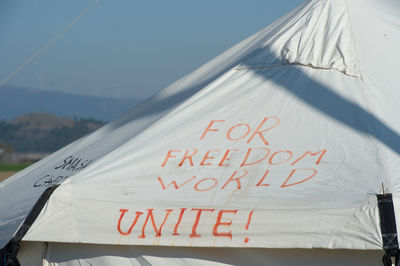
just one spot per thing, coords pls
(29, 137)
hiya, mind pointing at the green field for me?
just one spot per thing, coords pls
(13, 167)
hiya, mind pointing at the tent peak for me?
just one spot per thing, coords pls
(318, 35)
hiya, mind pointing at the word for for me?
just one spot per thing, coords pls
(142, 220)
(243, 130)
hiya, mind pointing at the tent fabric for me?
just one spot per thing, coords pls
(106, 196)
(283, 141)
(318, 35)
(67, 254)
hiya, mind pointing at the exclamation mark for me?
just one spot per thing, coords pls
(247, 225)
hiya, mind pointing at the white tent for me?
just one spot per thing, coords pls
(273, 153)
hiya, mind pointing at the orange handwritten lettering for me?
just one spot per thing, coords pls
(225, 157)
(285, 183)
(237, 179)
(289, 153)
(215, 182)
(220, 223)
(197, 220)
(151, 216)
(189, 157)
(228, 134)
(173, 183)
(206, 157)
(209, 128)
(260, 183)
(179, 221)
(123, 211)
(244, 163)
(260, 132)
(169, 155)
(311, 154)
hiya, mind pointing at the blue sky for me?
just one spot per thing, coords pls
(122, 48)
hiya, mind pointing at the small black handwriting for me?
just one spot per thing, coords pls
(49, 180)
(72, 163)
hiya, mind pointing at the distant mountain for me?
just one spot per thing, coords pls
(17, 101)
(36, 132)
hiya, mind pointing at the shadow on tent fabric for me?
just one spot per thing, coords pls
(156, 106)
(326, 101)
(333, 105)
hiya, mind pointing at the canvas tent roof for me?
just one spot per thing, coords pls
(283, 141)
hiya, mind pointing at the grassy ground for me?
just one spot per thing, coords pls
(13, 167)
(7, 170)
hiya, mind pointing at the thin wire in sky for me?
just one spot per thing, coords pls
(49, 43)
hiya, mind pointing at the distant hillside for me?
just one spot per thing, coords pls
(17, 101)
(43, 132)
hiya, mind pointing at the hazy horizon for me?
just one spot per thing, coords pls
(122, 49)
